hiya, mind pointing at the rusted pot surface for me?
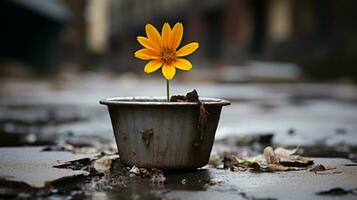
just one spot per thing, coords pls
(153, 133)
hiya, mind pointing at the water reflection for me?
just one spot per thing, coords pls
(141, 188)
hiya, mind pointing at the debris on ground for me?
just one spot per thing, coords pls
(104, 164)
(338, 191)
(135, 170)
(84, 145)
(234, 163)
(285, 157)
(95, 165)
(94, 136)
(318, 168)
(79, 164)
(155, 175)
(321, 169)
(272, 160)
(241, 144)
(108, 182)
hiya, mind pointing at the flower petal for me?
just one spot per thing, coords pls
(147, 43)
(182, 64)
(165, 33)
(153, 66)
(176, 35)
(168, 70)
(146, 54)
(187, 49)
(153, 34)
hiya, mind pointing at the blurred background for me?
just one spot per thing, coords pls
(310, 39)
(288, 66)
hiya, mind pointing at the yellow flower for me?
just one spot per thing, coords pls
(161, 50)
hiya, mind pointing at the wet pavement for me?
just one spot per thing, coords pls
(34, 167)
(320, 118)
(28, 168)
(282, 185)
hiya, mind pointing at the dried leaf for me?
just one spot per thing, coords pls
(229, 161)
(256, 166)
(319, 169)
(261, 167)
(104, 163)
(271, 161)
(277, 167)
(270, 155)
(296, 161)
(284, 157)
(235, 164)
(282, 152)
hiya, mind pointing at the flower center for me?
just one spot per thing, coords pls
(168, 55)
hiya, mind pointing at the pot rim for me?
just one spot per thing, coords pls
(159, 101)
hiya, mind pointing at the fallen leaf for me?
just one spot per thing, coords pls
(282, 152)
(320, 169)
(270, 155)
(296, 161)
(284, 157)
(256, 166)
(272, 160)
(235, 164)
(104, 163)
(277, 167)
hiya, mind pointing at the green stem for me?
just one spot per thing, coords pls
(168, 90)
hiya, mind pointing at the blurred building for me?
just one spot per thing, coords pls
(30, 31)
(318, 35)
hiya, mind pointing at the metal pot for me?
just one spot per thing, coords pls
(153, 133)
